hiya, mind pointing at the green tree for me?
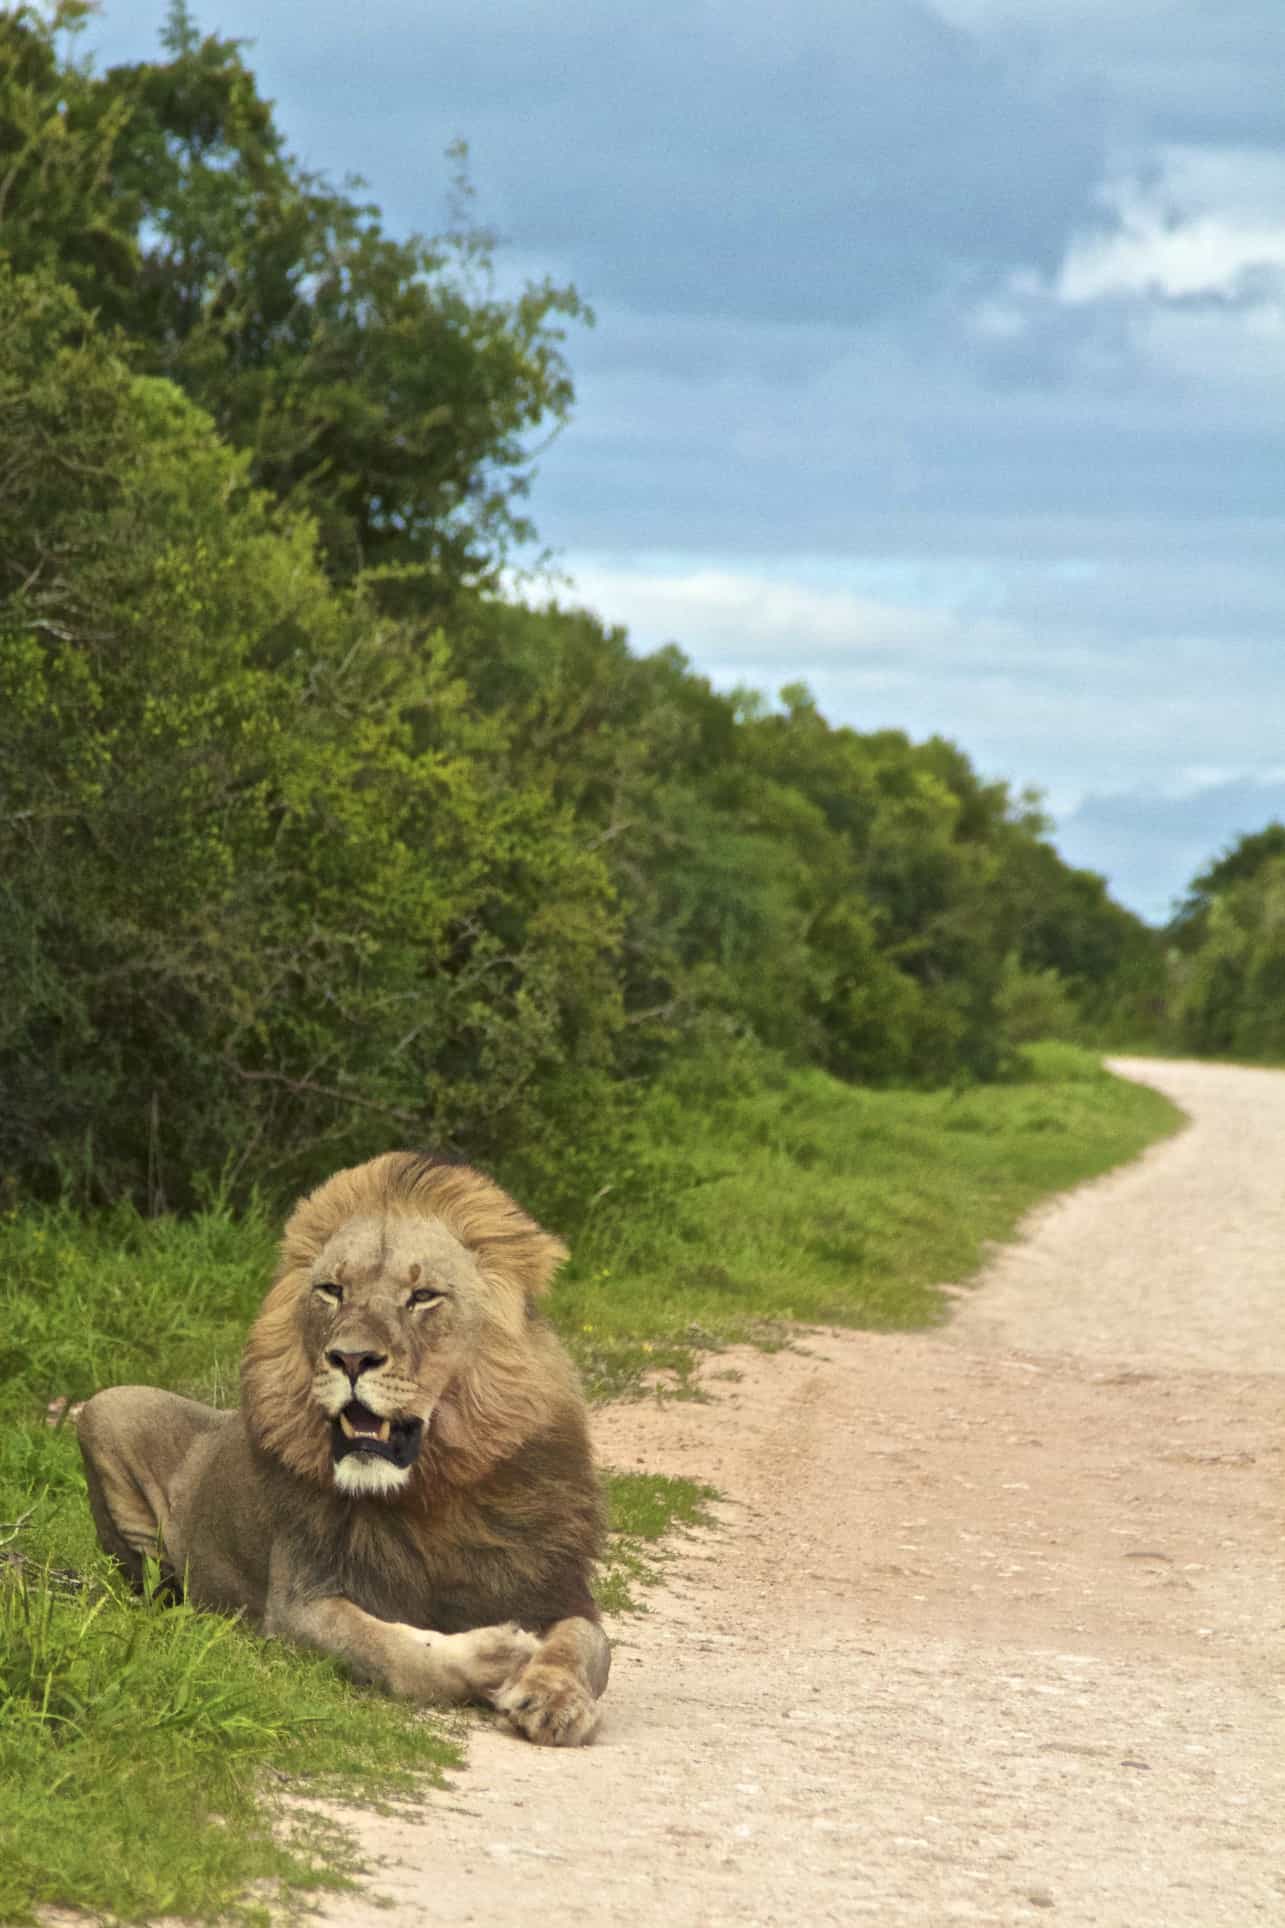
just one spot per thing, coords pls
(59, 132)
(266, 885)
(1240, 863)
(380, 385)
(1228, 971)
(1260, 1027)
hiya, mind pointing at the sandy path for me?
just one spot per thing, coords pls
(991, 1630)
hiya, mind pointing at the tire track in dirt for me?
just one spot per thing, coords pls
(991, 1627)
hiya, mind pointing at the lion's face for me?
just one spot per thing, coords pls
(393, 1306)
(398, 1345)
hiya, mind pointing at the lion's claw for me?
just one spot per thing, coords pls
(549, 1705)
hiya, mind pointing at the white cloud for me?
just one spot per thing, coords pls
(1204, 224)
(752, 616)
(1207, 255)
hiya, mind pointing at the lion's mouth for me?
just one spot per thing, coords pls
(358, 1430)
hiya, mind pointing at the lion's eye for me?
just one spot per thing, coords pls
(426, 1296)
(329, 1290)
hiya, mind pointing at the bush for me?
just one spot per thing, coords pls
(269, 898)
(1032, 1005)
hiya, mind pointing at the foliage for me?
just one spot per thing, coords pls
(1240, 864)
(266, 887)
(287, 874)
(135, 1740)
(1033, 1005)
(381, 384)
(847, 898)
(1227, 969)
(1221, 991)
(57, 140)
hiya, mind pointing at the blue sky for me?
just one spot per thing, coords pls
(940, 355)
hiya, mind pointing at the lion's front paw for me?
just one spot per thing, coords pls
(485, 1658)
(550, 1705)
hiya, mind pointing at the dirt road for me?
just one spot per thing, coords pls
(991, 1630)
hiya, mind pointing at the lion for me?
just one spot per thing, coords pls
(408, 1485)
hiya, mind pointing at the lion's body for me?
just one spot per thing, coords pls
(442, 1548)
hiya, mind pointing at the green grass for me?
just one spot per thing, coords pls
(144, 1752)
(644, 1509)
(808, 1200)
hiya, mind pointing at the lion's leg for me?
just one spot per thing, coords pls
(410, 1662)
(134, 1441)
(554, 1699)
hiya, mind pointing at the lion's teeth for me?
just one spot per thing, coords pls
(384, 1429)
(345, 1426)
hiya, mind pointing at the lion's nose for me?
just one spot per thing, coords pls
(355, 1363)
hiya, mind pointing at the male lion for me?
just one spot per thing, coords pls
(408, 1484)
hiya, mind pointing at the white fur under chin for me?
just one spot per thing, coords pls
(367, 1473)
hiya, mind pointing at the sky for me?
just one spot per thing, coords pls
(939, 359)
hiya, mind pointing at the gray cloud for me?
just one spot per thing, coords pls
(885, 442)
(768, 161)
(1174, 69)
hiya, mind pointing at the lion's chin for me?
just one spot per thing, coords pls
(363, 1473)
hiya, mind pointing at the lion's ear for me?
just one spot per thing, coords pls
(522, 1256)
(531, 1259)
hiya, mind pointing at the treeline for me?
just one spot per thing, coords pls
(1226, 954)
(309, 839)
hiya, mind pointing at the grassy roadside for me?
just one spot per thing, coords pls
(805, 1199)
(134, 1740)
(141, 1749)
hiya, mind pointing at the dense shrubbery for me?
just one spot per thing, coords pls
(1227, 961)
(268, 880)
(308, 839)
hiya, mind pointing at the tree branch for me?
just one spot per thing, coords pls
(324, 1091)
